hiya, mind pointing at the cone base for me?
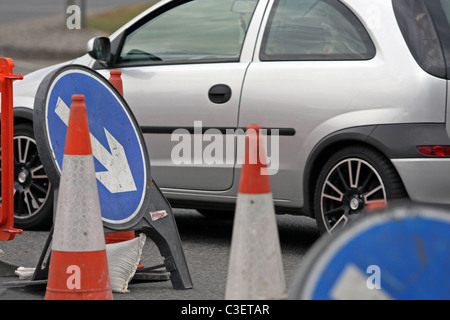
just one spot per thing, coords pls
(78, 276)
(255, 269)
(121, 236)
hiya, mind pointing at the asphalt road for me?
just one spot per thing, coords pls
(206, 243)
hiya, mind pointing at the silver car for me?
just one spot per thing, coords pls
(358, 91)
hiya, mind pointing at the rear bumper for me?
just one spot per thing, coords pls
(425, 179)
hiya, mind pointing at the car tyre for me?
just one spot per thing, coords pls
(352, 179)
(33, 194)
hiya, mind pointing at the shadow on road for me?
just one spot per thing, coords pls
(294, 231)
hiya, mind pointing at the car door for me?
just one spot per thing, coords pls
(183, 67)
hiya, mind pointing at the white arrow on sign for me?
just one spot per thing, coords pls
(352, 285)
(117, 177)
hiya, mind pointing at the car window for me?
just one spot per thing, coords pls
(443, 28)
(195, 31)
(446, 6)
(425, 27)
(314, 30)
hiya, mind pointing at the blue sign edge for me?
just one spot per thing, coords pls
(327, 247)
(45, 149)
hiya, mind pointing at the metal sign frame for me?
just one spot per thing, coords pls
(7, 230)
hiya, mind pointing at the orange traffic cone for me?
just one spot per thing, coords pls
(78, 267)
(115, 77)
(255, 267)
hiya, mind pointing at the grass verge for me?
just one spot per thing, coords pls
(111, 20)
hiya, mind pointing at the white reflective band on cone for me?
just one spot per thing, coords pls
(256, 269)
(77, 222)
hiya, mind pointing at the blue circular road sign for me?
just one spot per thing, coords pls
(121, 160)
(402, 253)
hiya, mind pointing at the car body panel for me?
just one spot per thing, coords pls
(420, 177)
(163, 95)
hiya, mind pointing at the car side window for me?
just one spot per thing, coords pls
(425, 28)
(195, 31)
(314, 30)
(446, 6)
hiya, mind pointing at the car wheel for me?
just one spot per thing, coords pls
(353, 178)
(33, 195)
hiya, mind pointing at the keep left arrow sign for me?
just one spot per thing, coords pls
(118, 177)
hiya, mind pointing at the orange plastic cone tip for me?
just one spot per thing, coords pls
(116, 80)
(78, 140)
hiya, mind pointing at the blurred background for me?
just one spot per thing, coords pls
(35, 33)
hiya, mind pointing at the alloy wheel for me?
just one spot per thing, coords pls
(350, 186)
(31, 184)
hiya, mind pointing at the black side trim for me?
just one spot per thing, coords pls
(223, 130)
(401, 140)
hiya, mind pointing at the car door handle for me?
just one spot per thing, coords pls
(220, 93)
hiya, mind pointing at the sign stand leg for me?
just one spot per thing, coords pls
(164, 233)
(163, 230)
(41, 272)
